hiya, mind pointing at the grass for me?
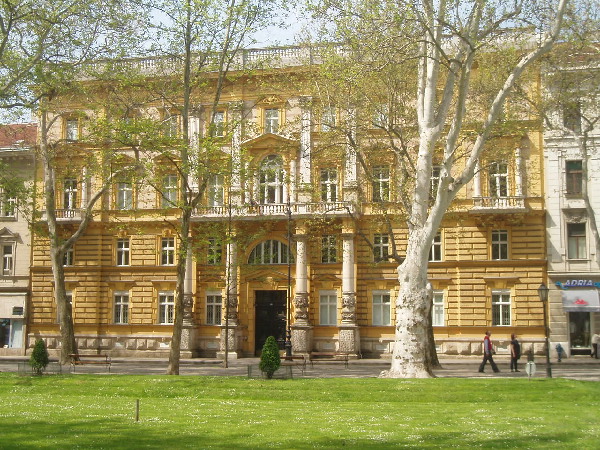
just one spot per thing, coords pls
(98, 411)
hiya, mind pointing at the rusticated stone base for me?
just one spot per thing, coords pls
(302, 337)
(349, 341)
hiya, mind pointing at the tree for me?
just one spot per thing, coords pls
(269, 358)
(432, 115)
(39, 357)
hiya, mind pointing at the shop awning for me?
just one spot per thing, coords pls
(581, 300)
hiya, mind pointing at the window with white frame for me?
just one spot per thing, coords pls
(501, 308)
(124, 195)
(271, 180)
(166, 307)
(328, 308)
(214, 307)
(437, 311)
(214, 251)
(498, 179)
(381, 247)
(8, 254)
(72, 129)
(218, 124)
(270, 252)
(7, 203)
(171, 125)
(328, 118)
(574, 177)
(435, 252)
(123, 252)
(167, 251)
(121, 307)
(328, 249)
(381, 184)
(329, 185)
(69, 257)
(576, 241)
(271, 120)
(70, 193)
(169, 191)
(382, 312)
(499, 244)
(216, 190)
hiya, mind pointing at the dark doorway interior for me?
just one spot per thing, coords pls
(579, 331)
(270, 318)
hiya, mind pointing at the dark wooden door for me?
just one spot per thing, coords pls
(270, 315)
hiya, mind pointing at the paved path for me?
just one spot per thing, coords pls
(579, 368)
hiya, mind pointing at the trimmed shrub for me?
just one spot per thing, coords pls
(39, 357)
(269, 358)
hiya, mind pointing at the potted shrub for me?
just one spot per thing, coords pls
(269, 358)
(39, 357)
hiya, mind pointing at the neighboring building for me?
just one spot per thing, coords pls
(17, 167)
(486, 263)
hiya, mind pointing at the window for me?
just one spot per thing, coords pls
(123, 252)
(171, 125)
(576, 241)
(170, 190)
(7, 203)
(218, 124)
(214, 301)
(124, 195)
(121, 307)
(166, 308)
(270, 252)
(215, 190)
(381, 246)
(271, 180)
(214, 251)
(437, 312)
(328, 308)
(574, 177)
(500, 308)
(70, 193)
(72, 129)
(328, 185)
(435, 253)
(572, 116)
(328, 118)
(499, 244)
(381, 184)
(328, 249)
(167, 251)
(498, 179)
(271, 120)
(7, 259)
(381, 308)
(69, 257)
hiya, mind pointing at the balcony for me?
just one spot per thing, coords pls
(66, 215)
(274, 211)
(498, 205)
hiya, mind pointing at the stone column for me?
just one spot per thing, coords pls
(349, 334)
(351, 165)
(235, 111)
(518, 173)
(301, 329)
(188, 331)
(477, 181)
(304, 187)
(229, 325)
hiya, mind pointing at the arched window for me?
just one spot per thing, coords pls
(270, 252)
(271, 180)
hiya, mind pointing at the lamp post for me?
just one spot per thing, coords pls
(543, 294)
(288, 331)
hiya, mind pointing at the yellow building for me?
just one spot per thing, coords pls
(294, 237)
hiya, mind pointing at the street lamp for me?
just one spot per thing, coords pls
(288, 306)
(543, 294)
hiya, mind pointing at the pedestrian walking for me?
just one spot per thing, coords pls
(595, 341)
(515, 352)
(488, 352)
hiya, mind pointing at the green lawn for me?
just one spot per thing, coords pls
(98, 411)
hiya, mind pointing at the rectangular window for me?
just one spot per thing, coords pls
(170, 190)
(498, 173)
(437, 312)
(328, 249)
(328, 118)
(216, 191)
(501, 308)
(576, 241)
(435, 253)
(328, 308)
(215, 253)
(271, 120)
(124, 195)
(123, 252)
(69, 257)
(121, 307)
(166, 308)
(329, 185)
(499, 244)
(70, 193)
(574, 177)
(7, 259)
(218, 124)
(171, 125)
(381, 308)
(167, 251)
(214, 302)
(381, 247)
(72, 129)
(381, 184)
(7, 203)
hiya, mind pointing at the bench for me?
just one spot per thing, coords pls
(294, 360)
(81, 360)
(328, 357)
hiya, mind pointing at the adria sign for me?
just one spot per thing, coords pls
(578, 283)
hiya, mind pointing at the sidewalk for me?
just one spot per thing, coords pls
(578, 367)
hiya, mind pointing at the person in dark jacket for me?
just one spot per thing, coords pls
(515, 352)
(488, 351)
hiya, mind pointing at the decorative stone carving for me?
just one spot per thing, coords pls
(348, 307)
(188, 302)
(301, 307)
